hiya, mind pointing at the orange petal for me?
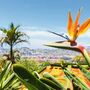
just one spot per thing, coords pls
(75, 27)
(84, 27)
(72, 27)
(77, 19)
(69, 24)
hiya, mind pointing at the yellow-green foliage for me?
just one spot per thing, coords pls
(31, 65)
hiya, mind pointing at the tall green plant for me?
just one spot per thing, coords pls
(28, 79)
(8, 80)
(12, 37)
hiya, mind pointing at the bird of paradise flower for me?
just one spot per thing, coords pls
(74, 29)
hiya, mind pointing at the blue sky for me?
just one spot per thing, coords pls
(38, 16)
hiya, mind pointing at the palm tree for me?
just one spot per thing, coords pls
(12, 37)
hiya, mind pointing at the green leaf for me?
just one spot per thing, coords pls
(77, 80)
(8, 81)
(50, 77)
(84, 71)
(26, 77)
(63, 45)
(5, 72)
(51, 83)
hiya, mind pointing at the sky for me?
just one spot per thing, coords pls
(36, 17)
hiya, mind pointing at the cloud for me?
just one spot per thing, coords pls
(40, 36)
(43, 32)
(38, 43)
